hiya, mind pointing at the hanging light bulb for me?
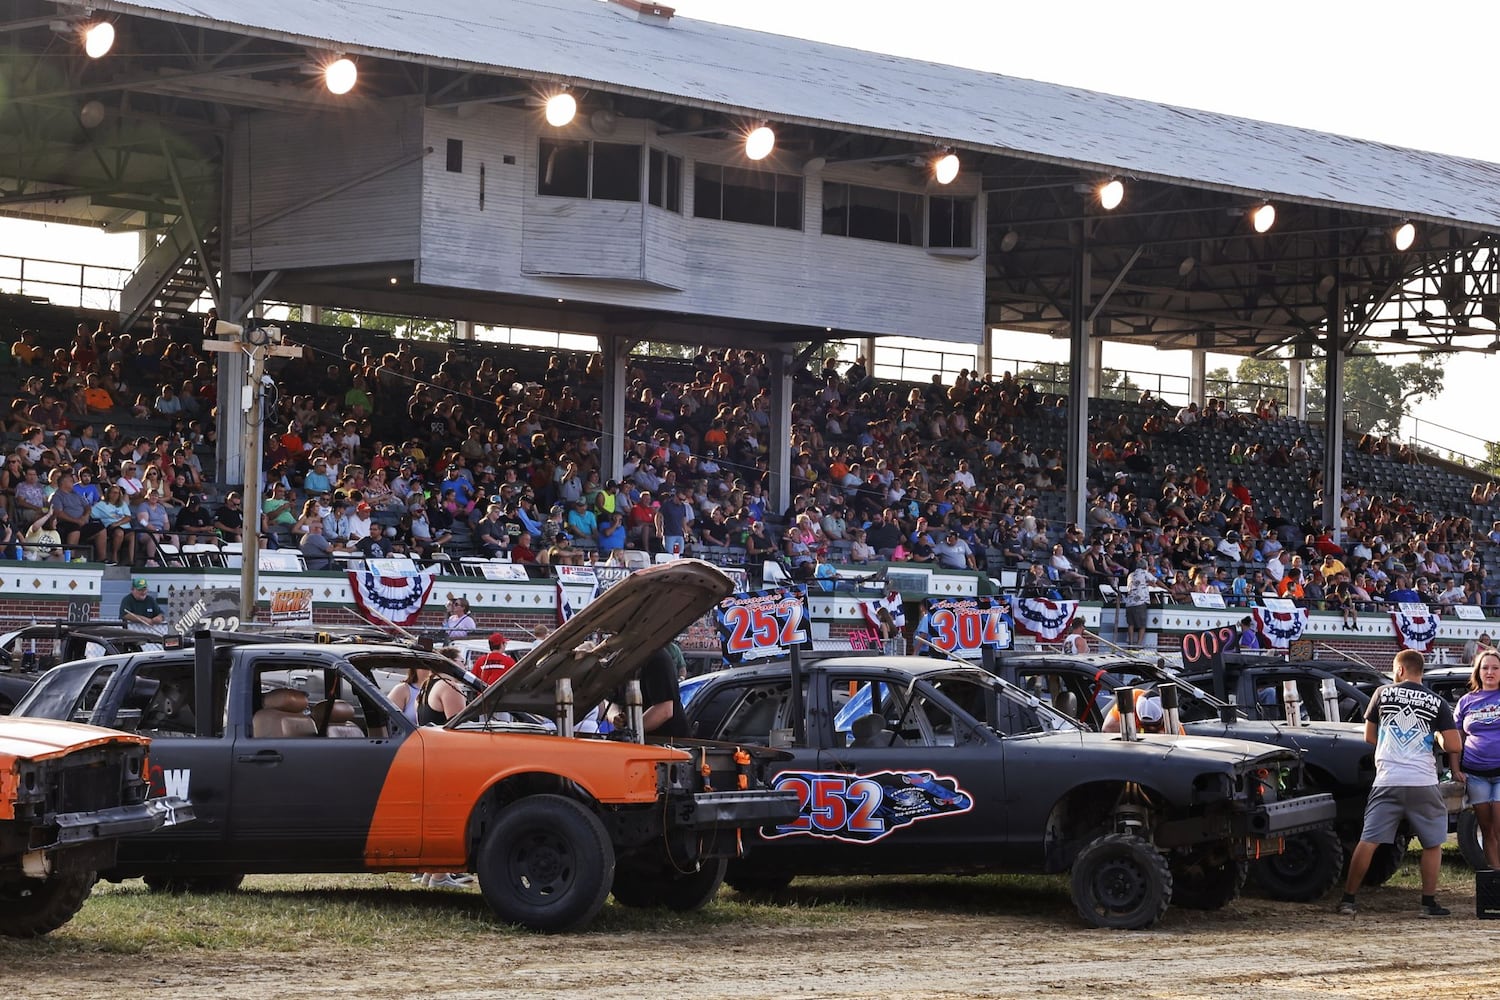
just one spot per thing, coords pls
(560, 109)
(945, 168)
(98, 39)
(760, 142)
(340, 75)
(1404, 236)
(1263, 217)
(1111, 193)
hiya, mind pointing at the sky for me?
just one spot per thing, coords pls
(1366, 69)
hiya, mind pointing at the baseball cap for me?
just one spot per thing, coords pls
(363, 508)
(497, 640)
(139, 583)
(1148, 708)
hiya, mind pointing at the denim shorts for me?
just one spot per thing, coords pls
(1483, 790)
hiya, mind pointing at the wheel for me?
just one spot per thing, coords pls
(197, 885)
(33, 907)
(1305, 871)
(738, 879)
(1121, 882)
(1388, 858)
(547, 864)
(637, 887)
(1471, 841)
(1199, 885)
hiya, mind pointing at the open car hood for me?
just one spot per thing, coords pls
(602, 646)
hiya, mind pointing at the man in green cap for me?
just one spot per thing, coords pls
(139, 607)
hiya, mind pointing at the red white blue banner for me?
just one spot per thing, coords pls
(1415, 626)
(1280, 627)
(1045, 619)
(395, 599)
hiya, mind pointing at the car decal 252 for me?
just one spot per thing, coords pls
(863, 808)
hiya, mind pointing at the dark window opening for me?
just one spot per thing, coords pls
(455, 156)
(735, 194)
(872, 214)
(950, 222)
(617, 172)
(563, 168)
(664, 186)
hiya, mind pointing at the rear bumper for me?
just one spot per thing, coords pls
(1280, 819)
(760, 807)
(120, 821)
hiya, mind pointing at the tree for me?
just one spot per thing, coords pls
(1253, 380)
(1377, 394)
(407, 327)
(1490, 465)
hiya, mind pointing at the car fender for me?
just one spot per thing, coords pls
(439, 776)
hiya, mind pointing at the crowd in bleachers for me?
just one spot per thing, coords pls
(379, 446)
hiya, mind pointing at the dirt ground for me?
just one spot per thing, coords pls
(962, 943)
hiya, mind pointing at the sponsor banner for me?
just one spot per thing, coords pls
(292, 607)
(760, 624)
(191, 608)
(395, 599)
(1280, 628)
(1043, 619)
(863, 808)
(1415, 626)
(963, 626)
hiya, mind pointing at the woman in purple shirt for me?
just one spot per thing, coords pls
(1478, 717)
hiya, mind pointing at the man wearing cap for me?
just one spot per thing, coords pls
(492, 665)
(229, 522)
(491, 534)
(359, 523)
(953, 552)
(139, 607)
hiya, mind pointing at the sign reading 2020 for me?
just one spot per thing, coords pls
(758, 624)
(963, 626)
(862, 808)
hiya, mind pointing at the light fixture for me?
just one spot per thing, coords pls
(1263, 217)
(759, 142)
(1398, 332)
(1325, 284)
(1009, 240)
(560, 109)
(945, 167)
(393, 279)
(1110, 194)
(1404, 236)
(91, 115)
(1186, 265)
(98, 39)
(340, 75)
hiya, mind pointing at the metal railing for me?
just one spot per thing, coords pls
(82, 286)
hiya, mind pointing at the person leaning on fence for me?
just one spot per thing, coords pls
(1403, 721)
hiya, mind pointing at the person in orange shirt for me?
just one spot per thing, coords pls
(1291, 585)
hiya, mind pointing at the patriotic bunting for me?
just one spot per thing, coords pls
(1280, 628)
(395, 599)
(1415, 626)
(1038, 616)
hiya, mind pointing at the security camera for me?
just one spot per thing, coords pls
(267, 381)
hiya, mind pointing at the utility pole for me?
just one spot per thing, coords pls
(257, 345)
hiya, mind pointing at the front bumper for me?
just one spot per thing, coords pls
(747, 809)
(119, 821)
(1289, 816)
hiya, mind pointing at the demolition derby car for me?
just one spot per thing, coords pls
(907, 765)
(299, 762)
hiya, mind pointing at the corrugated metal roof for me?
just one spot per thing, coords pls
(795, 80)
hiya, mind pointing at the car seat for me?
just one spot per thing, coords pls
(283, 715)
(870, 731)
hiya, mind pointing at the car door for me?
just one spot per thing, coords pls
(304, 794)
(907, 773)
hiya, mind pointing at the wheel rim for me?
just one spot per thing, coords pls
(1296, 859)
(1119, 884)
(541, 866)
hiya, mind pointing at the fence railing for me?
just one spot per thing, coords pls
(81, 286)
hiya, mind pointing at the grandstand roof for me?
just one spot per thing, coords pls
(696, 63)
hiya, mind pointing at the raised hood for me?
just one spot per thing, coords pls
(602, 646)
(39, 739)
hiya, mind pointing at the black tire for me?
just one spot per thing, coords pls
(546, 864)
(754, 884)
(641, 888)
(1471, 841)
(197, 885)
(33, 907)
(1200, 886)
(1121, 882)
(1388, 859)
(1305, 870)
